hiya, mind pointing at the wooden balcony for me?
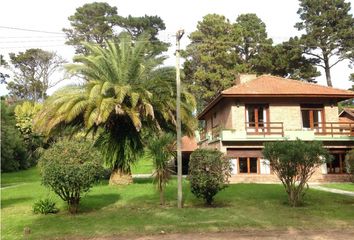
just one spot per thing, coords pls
(334, 128)
(264, 128)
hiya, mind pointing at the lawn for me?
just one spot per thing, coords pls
(341, 186)
(134, 209)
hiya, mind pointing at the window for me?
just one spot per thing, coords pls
(256, 115)
(312, 116)
(338, 164)
(248, 165)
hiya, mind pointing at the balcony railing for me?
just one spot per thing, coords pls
(264, 128)
(334, 128)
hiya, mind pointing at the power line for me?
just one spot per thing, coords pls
(31, 30)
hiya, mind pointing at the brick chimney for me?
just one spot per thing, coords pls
(243, 78)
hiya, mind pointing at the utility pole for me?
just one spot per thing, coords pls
(179, 35)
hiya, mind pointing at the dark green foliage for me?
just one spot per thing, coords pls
(95, 23)
(220, 50)
(208, 173)
(92, 22)
(3, 76)
(349, 158)
(329, 32)
(13, 152)
(70, 168)
(294, 162)
(32, 73)
(44, 206)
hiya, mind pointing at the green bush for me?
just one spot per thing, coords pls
(13, 152)
(350, 163)
(294, 162)
(45, 206)
(70, 168)
(208, 173)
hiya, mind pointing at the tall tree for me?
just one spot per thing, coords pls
(33, 71)
(210, 61)
(3, 76)
(351, 78)
(220, 50)
(150, 25)
(329, 32)
(98, 21)
(288, 61)
(254, 43)
(92, 22)
(124, 96)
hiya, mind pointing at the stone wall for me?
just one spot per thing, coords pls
(289, 114)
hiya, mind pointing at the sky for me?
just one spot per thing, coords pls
(52, 15)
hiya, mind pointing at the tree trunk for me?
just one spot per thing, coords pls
(162, 198)
(119, 177)
(327, 70)
(73, 205)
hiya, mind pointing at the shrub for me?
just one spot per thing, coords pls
(162, 149)
(13, 152)
(208, 173)
(45, 206)
(349, 158)
(294, 162)
(70, 168)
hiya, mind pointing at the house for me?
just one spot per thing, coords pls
(347, 115)
(188, 145)
(240, 119)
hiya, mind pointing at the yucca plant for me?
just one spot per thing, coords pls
(124, 93)
(162, 150)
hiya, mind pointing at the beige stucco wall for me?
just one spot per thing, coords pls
(238, 117)
(289, 114)
(331, 113)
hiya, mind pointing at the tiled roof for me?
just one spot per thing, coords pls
(271, 85)
(349, 111)
(189, 144)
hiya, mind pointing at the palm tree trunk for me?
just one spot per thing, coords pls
(162, 198)
(119, 177)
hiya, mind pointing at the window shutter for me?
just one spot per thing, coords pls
(324, 169)
(233, 166)
(265, 167)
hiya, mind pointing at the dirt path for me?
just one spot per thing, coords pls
(245, 235)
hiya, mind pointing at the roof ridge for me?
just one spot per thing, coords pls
(302, 82)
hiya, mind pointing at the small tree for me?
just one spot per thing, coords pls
(350, 163)
(208, 173)
(162, 149)
(294, 162)
(70, 168)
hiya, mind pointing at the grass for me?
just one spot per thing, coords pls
(134, 209)
(143, 166)
(341, 186)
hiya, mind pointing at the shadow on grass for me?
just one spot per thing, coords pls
(96, 202)
(13, 201)
(143, 180)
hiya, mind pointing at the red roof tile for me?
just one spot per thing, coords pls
(189, 144)
(271, 85)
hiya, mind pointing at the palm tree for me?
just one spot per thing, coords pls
(162, 150)
(124, 94)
